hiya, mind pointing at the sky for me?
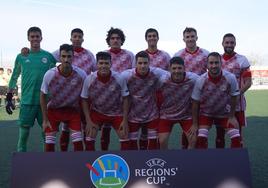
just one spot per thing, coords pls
(246, 19)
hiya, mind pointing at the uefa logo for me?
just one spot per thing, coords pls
(109, 171)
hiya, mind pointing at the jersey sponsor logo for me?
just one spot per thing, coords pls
(157, 172)
(199, 58)
(109, 170)
(84, 57)
(227, 108)
(123, 58)
(44, 60)
(151, 82)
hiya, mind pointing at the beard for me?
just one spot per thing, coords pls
(229, 50)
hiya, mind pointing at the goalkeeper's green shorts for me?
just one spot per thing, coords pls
(28, 115)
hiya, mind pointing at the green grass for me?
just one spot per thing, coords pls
(255, 136)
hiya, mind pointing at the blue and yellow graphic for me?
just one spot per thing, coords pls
(109, 171)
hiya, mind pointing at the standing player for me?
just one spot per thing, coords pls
(158, 58)
(84, 59)
(32, 69)
(122, 59)
(105, 100)
(63, 106)
(195, 59)
(142, 83)
(239, 66)
(214, 100)
(175, 102)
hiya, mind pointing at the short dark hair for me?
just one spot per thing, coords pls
(103, 56)
(77, 30)
(150, 30)
(66, 47)
(143, 54)
(34, 29)
(214, 54)
(189, 29)
(1, 69)
(176, 60)
(115, 31)
(228, 35)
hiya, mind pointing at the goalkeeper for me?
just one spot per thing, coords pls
(32, 69)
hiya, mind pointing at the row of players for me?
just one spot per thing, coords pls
(195, 60)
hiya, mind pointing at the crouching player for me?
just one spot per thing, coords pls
(175, 102)
(105, 101)
(214, 101)
(62, 85)
(143, 82)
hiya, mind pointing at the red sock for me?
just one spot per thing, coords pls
(241, 138)
(64, 140)
(133, 145)
(143, 144)
(220, 137)
(124, 145)
(78, 146)
(202, 142)
(105, 138)
(184, 141)
(236, 142)
(152, 144)
(90, 145)
(50, 147)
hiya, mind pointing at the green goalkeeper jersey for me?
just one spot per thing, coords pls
(32, 69)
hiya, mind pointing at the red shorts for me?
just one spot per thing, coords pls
(101, 119)
(165, 125)
(241, 118)
(209, 121)
(70, 116)
(134, 127)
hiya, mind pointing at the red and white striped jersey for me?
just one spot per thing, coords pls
(122, 60)
(176, 97)
(214, 95)
(194, 62)
(83, 58)
(159, 59)
(237, 64)
(63, 91)
(142, 92)
(105, 97)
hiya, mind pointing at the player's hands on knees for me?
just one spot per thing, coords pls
(91, 129)
(25, 51)
(46, 125)
(9, 106)
(192, 132)
(232, 121)
(123, 129)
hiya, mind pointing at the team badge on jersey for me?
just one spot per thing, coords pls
(223, 88)
(27, 61)
(44, 60)
(112, 88)
(109, 171)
